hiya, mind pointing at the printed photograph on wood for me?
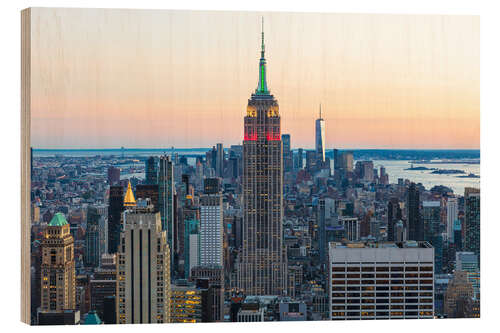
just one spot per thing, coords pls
(198, 166)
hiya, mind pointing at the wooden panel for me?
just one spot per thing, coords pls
(25, 165)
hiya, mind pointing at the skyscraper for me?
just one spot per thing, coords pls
(191, 245)
(343, 163)
(364, 170)
(375, 269)
(143, 273)
(451, 217)
(326, 206)
(351, 226)
(102, 287)
(58, 267)
(472, 220)
(300, 158)
(186, 303)
(384, 177)
(457, 235)
(415, 227)
(113, 175)
(262, 267)
(458, 288)
(115, 210)
(213, 277)
(336, 161)
(287, 153)
(468, 262)
(311, 160)
(211, 227)
(219, 163)
(148, 191)
(92, 238)
(431, 219)
(347, 161)
(394, 214)
(166, 198)
(151, 171)
(320, 137)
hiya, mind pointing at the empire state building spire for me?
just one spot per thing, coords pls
(262, 268)
(262, 86)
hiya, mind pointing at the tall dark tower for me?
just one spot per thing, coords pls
(115, 210)
(394, 214)
(472, 198)
(262, 267)
(166, 200)
(320, 137)
(151, 171)
(415, 225)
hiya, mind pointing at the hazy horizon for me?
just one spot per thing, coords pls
(158, 78)
(236, 144)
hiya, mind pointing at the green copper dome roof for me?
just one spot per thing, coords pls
(92, 319)
(58, 220)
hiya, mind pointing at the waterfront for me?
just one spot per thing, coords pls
(396, 169)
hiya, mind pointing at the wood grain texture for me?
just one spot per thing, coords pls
(25, 165)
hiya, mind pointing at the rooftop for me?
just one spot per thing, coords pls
(431, 204)
(373, 244)
(58, 220)
(92, 319)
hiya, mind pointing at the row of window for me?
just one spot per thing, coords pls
(382, 269)
(339, 282)
(380, 288)
(382, 314)
(383, 307)
(393, 294)
(379, 300)
(381, 275)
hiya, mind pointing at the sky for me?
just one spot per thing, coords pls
(157, 78)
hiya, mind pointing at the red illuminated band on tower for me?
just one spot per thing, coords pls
(250, 137)
(271, 136)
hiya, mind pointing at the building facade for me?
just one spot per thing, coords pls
(57, 267)
(211, 230)
(115, 210)
(102, 287)
(320, 137)
(451, 217)
(394, 214)
(351, 227)
(469, 262)
(113, 175)
(262, 268)
(93, 251)
(287, 153)
(415, 227)
(214, 277)
(325, 211)
(472, 221)
(166, 199)
(381, 280)
(186, 303)
(219, 161)
(151, 171)
(143, 270)
(458, 292)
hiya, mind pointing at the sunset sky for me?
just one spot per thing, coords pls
(156, 78)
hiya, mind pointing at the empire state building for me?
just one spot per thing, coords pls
(262, 265)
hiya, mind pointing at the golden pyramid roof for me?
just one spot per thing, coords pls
(129, 197)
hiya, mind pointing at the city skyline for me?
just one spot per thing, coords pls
(250, 230)
(372, 74)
